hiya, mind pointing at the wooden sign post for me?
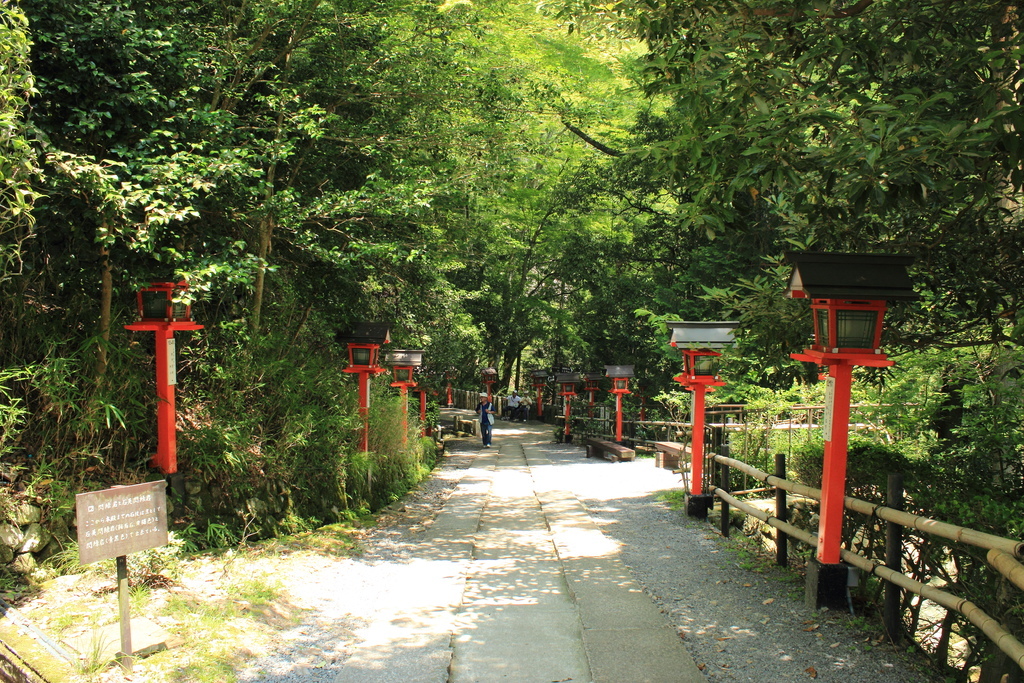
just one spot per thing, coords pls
(115, 522)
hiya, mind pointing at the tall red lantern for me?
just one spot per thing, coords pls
(489, 376)
(162, 311)
(540, 380)
(449, 375)
(567, 382)
(848, 294)
(592, 385)
(697, 341)
(620, 376)
(364, 342)
(403, 364)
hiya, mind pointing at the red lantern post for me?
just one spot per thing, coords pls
(449, 376)
(364, 343)
(540, 380)
(161, 314)
(848, 295)
(696, 341)
(593, 381)
(428, 430)
(619, 375)
(489, 376)
(403, 364)
(567, 382)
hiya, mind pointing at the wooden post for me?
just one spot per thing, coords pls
(893, 560)
(124, 657)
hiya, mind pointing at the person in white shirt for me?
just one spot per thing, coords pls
(513, 405)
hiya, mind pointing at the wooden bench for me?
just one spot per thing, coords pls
(674, 456)
(599, 448)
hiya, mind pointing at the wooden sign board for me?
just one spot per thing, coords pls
(121, 520)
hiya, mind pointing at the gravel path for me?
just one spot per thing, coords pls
(738, 624)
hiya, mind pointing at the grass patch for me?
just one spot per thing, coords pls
(255, 590)
(676, 499)
(338, 540)
(210, 670)
(221, 608)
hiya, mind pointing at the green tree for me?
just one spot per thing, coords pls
(17, 162)
(865, 126)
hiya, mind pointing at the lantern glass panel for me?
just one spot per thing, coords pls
(705, 365)
(179, 310)
(856, 329)
(821, 316)
(154, 304)
(361, 355)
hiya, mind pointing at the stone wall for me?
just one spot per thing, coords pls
(28, 538)
(30, 534)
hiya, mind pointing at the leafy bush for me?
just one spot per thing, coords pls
(868, 464)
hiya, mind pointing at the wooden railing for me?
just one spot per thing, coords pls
(1004, 554)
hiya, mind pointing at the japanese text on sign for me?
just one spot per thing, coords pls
(121, 520)
(830, 400)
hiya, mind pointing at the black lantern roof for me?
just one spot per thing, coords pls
(567, 377)
(366, 333)
(404, 358)
(593, 376)
(702, 335)
(539, 373)
(489, 371)
(876, 277)
(618, 371)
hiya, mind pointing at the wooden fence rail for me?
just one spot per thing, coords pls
(1003, 552)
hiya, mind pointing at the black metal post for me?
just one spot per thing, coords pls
(124, 656)
(723, 477)
(781, 513)
(893, 560)
(714, 435)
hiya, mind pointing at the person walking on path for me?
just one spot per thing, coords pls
(485, 411)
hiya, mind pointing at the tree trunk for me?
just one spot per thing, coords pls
(942, 647)
(999, 668)
(106, 300)
(266, 235)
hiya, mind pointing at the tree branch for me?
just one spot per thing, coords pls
(604, 149)
(853, 11)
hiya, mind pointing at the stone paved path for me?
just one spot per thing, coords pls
(515, 582)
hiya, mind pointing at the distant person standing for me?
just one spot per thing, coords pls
(485, 411)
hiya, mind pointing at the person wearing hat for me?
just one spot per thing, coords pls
(485, 411)
(513, 405)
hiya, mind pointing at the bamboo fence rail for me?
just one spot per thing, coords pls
(1002, 555)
